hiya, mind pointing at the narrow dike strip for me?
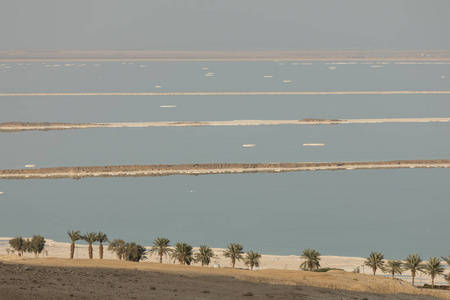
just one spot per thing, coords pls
(26, 126)
(212, 168)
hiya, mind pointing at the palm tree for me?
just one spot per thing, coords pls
(74, 236)
(161, 246)
(182, 253)
(375, 261)
(117, 246)
(204, 255)
(393, 267)
(90, 238)
(312, 258)
(234, 251)
(101, 237)
(252, 259)
(433, 267)
(413, 263)
(447, 260)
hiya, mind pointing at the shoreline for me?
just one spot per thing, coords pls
(268, 261)
(249, 55)
(25, 126)
(224, 93)
(212, 168)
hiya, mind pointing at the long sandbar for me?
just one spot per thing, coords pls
(24, 126)
(212, 168)
(222, 93)
(261, 55)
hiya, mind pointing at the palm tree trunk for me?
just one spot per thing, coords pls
(251, 267)
(100, 250)
(392, 274)
(233, 261)
(160, 258)
(72, 250)
(413, 274)
(432, 281)
(374, 271)
(90, 252)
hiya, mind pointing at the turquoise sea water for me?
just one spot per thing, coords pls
(209, 144)
(351, 213)
(347, 213)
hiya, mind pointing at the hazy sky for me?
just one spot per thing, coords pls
(224, 24)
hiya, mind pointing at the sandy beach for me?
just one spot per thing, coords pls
(280, 273)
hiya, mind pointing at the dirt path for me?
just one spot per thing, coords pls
(216, 168)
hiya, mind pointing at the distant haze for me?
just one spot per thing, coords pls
(224, 24)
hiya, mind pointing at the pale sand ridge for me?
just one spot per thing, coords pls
(227, 93)
(22, 126)
(209, 169)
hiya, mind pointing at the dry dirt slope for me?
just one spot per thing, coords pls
(94, 279)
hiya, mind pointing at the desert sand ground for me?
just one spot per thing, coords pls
(56, 278)
(268, 262)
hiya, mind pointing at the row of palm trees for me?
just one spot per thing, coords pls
(181, 252)
(413, 263)
(90, 238)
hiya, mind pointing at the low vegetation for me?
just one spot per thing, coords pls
(36, 245)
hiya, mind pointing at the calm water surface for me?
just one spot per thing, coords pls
(173, 145)
(228, 77)
(349, 213)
